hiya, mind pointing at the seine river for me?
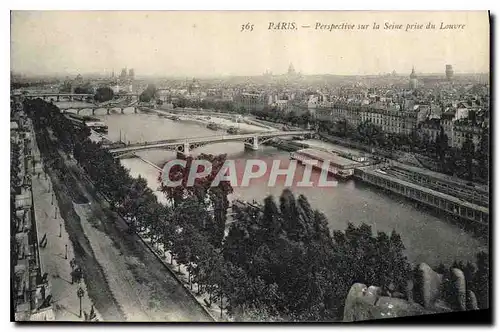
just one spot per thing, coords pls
(426, 237)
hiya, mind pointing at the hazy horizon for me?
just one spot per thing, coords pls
(210, 44)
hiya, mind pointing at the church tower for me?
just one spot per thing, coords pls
(413, 79)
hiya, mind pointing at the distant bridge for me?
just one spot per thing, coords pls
(120, 104)
(186, 145)
(95, 107)
(69, 96)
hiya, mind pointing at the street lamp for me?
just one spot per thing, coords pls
(80, 294)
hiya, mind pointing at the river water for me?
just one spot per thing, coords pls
(427, 238)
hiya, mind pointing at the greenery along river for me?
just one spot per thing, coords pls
(426, 237)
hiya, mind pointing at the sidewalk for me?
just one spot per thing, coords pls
(65, 301)
(182, 276)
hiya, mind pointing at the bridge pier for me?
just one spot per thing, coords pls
(183, 151)
(254, 145)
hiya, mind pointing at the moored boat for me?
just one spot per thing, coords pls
(213, 126)
(338, 166)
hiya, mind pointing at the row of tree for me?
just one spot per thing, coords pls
(207, 104)
(294, 117)
(277, 261)
(101, 94)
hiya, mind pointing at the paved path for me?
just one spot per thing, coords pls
(53, 262)
(122, 277)
(141, 286)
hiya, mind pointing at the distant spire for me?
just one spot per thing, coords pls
(413, 75)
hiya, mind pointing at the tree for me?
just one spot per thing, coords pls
(291, 247)
(468, 151)
(138, 195)
(202, 190)
(370, 133)
(149, 94)
(483, 154)
(482, 279)
(441, 147)
(104, 94)
(84, 89)
(66, 87)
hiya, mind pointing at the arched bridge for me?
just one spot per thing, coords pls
(108, 106)
(67, 95)
(186, 145)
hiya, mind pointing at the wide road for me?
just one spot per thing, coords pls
(125, 279)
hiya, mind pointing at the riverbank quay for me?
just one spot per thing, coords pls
(286, 145)
(386, 177)
(222, 120)
(179, 274)
(464, 201)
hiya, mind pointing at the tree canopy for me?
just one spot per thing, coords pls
(104, 94)
(149, 94)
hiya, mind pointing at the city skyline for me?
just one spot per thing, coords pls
(208, 44)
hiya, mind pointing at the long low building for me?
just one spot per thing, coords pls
(452, 205)
(338, 165)
(473, 192)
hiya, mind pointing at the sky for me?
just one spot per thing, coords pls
(167, 43)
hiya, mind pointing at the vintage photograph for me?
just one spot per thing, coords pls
(250, 166)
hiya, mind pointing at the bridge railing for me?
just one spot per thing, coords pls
(216, 138)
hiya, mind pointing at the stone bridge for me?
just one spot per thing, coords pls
(107, 107)
(68, 96)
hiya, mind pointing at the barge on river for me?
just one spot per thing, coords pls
(338, 166)
(213, 126)
(90, 122)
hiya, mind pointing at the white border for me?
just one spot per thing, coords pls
(198, 5)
